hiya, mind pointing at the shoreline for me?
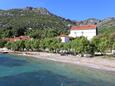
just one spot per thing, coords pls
(95, 62)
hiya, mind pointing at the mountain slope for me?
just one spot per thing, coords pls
(107, 26)
(40, 23)
(16, 22)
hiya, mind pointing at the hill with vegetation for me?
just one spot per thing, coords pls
(35, 22)
(40, 23)
(107, 26)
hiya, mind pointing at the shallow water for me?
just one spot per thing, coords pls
(24, 71)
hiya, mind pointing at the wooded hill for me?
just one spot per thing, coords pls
(35, 22)
(40, 23)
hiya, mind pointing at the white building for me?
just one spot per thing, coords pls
(88, 31)
(64, 38)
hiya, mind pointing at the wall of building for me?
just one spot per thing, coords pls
(64, 39)
(89, 34)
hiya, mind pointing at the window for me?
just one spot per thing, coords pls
(82, 33)
(75, 33)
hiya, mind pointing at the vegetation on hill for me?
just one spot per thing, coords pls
(35, 22)
(40, 23)
(107, 26)
(107, 30)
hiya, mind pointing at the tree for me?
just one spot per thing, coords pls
(53, 47)
(2, 43)
(35, 44)
(16, 46)
(102, 43)
(80, 45)
(95, 41)
(51, 33)
(50, 43)
(44, 43)
(67, 46)
(28, 45)
(8, 45)
(111, 40)
(113, 46)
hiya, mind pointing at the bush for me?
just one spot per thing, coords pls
(2, 43)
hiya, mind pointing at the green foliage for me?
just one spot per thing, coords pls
(50, 43)
(2, 43)
(103, 43)
(80, 45)
(32, 45)
(8, 45)
(29, 44)
(106, 30)
(35, 45)
(37, 23)
(16, 46)
(113, 46)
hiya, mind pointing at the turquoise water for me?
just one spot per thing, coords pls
(25, 71)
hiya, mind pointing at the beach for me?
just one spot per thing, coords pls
(98, 62)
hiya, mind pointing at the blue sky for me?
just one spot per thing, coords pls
(72, 9)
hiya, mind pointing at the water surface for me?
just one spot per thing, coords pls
(24, 71)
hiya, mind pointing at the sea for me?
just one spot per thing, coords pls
(27, 71)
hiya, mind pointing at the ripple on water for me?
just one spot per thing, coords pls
(9, 62)
(47, 73)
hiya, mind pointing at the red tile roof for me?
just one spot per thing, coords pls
(18, 38)
(84, 27)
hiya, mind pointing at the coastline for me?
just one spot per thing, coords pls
(95, 62)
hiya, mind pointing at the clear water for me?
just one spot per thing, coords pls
(25, 71)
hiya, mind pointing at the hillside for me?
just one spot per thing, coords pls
(36, 22)
(107, 26)
(40, 23)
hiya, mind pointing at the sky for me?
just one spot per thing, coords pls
(70, 9)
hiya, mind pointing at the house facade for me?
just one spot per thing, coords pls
(64, 38)
(88, 31)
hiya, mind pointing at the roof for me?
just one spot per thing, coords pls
(84, 27)
(18, 38)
